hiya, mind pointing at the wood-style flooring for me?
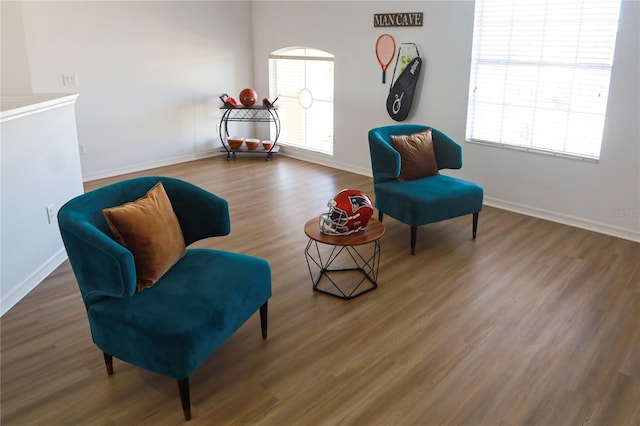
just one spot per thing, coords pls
(533, 323)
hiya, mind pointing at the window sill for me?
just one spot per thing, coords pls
(538, 151)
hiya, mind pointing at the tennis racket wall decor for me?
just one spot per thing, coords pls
(385, 50)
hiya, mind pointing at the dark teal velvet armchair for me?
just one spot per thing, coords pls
(174, 326)
(426, 200)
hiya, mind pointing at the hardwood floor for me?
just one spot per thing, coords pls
(533, 323)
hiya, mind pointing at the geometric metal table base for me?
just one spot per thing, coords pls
(368, 268)
(331, 259)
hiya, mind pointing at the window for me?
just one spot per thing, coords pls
(540, 72)
(302, 79)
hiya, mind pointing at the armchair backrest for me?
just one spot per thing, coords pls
(103, 267)
(385, 160)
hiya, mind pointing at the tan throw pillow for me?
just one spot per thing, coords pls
(417, 156)
(149, 228)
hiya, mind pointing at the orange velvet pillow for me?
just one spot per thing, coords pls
(418, 158)
(149, 228)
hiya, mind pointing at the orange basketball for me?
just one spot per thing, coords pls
(248, 97)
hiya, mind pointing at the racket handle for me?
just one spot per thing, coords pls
(384, 77)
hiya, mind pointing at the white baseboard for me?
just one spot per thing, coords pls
(323, 160)
(298, 154)
(578, 222)
(602, 228)
(149, 165)
(29, 283)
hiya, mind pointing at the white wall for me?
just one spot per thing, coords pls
(149, 74)
(40, 169)
(603, 196)
(15, 74)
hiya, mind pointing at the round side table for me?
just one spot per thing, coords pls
(343, 248)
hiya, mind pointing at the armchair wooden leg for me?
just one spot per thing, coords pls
(185, 398)
(108, 362)
(380, 215)
(263, 319)
(475, 224)
(414, 232)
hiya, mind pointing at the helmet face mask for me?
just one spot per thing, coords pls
(349, 212)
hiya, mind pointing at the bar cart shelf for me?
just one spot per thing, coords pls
(256, 114)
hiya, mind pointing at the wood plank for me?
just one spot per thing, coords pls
(531, 323)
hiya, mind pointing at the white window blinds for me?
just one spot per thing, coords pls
(540, 74)
(302, 79)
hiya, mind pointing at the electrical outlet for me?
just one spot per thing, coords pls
(69, 79)
(51, 213)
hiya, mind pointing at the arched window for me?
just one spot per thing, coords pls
(302, 79)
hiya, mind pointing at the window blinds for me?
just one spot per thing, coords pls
(540, 74)
(302, 79)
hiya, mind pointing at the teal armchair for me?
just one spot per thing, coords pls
(425, 200)
(172, 327)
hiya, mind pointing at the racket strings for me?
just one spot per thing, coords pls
(385, 49)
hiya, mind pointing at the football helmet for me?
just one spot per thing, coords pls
(349, 212)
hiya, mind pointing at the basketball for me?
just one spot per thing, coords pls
(248, 97)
